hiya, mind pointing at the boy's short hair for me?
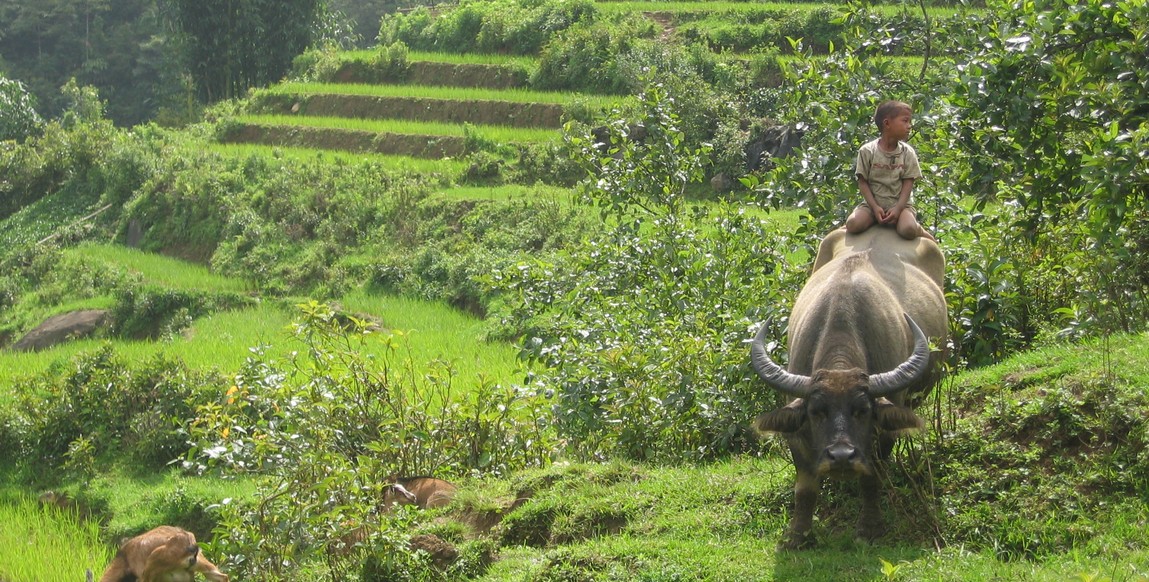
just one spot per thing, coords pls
(887, 109)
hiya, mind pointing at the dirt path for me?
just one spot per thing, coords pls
(666, 21)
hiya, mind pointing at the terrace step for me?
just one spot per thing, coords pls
(351, 140)
(436, 74)
(479, 112)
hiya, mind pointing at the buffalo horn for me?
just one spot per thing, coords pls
(907, 372)
(779, 379)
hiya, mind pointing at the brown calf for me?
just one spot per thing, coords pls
(164, 554)
(425, 492)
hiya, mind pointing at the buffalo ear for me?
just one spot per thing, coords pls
(894, 418)
(787, 419)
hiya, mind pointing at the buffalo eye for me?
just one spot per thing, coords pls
(817, 412)
(862, 408)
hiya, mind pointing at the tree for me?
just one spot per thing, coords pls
(1056, 104)
(99, 43)
(229, 46)
(18, 117)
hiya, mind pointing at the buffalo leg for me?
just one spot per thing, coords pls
(805, 498)
(871, 526)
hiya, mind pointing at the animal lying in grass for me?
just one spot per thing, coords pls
(164, 554)
(422, 492)
(425, 492)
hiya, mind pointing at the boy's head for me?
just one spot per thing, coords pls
(890, 109)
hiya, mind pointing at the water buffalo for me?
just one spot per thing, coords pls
(858, 352)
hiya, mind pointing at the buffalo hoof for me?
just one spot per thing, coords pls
(797, 541)
(870, 532)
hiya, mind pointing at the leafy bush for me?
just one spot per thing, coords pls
(488, 26)
(143, 312)
(326, 430)
(59, 158)
(1070, 154)
(18, 117)
(102, 409)
(585, 58)
(642, 327)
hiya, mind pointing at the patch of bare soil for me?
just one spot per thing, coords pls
(442, 553)
(666, 21)
(474, 111)
(437, 75)
(418, 146)
(456, 75)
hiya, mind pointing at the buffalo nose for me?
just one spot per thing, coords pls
(841, 452)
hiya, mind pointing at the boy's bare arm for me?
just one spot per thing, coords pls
(903, 199)
(868, 196)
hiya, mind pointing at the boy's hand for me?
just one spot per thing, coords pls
(890, 216)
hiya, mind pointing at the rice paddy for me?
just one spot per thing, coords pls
(46, 545)
(319, 155)
(496, 133)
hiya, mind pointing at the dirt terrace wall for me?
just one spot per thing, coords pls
(419, 146)
(437, 75)
(479, 112)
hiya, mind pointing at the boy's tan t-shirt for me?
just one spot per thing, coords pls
(886, 170)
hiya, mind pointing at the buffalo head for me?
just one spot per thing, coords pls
(831, 423)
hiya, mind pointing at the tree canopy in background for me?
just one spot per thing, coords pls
(118, 47)
(232, 45)
(18, 117)
(146, 57)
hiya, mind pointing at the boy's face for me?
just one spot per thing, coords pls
(898, 126)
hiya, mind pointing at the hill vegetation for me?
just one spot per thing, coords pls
(558, 325)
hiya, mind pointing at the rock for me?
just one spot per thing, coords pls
(61, 328)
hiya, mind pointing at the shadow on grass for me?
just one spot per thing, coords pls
(841, 558)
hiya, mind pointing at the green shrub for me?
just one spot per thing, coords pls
(100, 408)
(494, 26)
(656, 374)
(316, 64)
(584, 58)
(18, 117)
(144, 312)
(329, 428)
(407, 28)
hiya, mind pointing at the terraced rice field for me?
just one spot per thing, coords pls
(401, 119)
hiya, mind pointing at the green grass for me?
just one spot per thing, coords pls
(138, 503)
(508, 192)
(219, 341)
(435, 331)
(398, 163)
(440, 92)
(1122, 355)
(454, 58)
(721, 522)
(156, 269)
(39, 545)
(222, 341)
(497, 133)
(45, 217)
(708, 8)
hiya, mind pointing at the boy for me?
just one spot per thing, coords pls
(886, 169)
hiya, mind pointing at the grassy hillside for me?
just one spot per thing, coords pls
(619, 521)
(720, 521)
